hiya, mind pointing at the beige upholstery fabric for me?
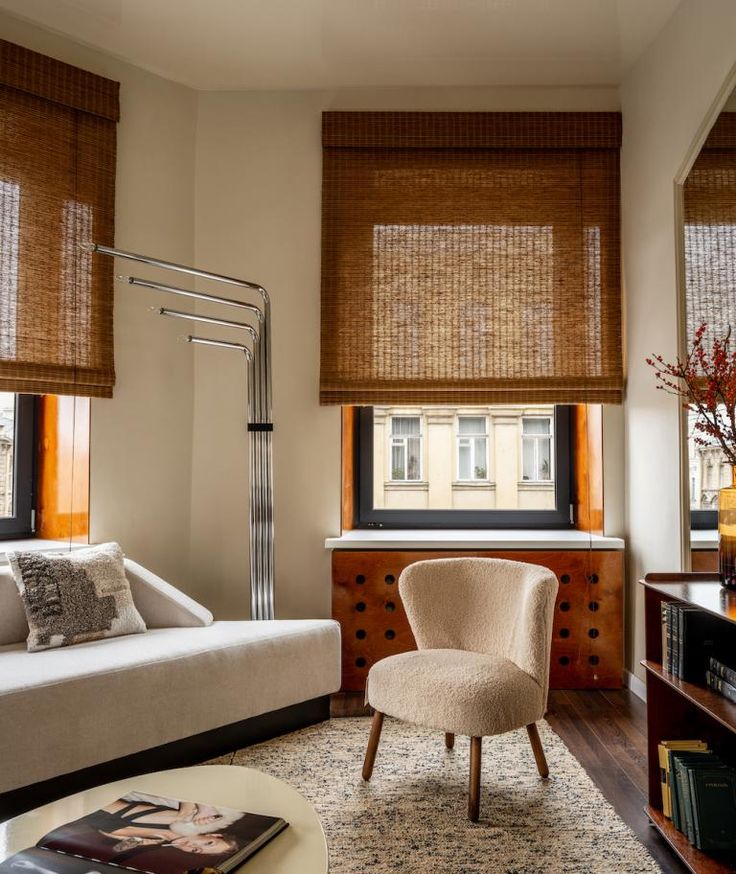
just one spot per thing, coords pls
(68, 708)
(162, 605)
(463, 692)
(159, 603)
(484, 630)
(13, 625)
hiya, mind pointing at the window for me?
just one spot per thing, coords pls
(17, 441)
(406, 448)
(472, 448)
(709, 472)
(493, 466)
(537, 449)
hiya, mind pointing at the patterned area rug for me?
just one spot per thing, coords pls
(411, 817)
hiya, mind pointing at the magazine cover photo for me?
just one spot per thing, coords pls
(163, 836)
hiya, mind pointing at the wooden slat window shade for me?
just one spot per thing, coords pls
(57, 191)
(710, 232)
(471, 258)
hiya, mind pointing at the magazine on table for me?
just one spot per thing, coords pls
(149, 834)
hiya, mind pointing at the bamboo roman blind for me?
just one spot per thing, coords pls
(710, 232)
(470, 258)
(57, 186)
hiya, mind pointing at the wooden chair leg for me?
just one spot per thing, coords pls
(375, 737)
(474, 793)
(537, 749)
(449, 740)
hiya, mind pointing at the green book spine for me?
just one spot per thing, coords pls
(695, 816)
(673, 792)
(683, 794)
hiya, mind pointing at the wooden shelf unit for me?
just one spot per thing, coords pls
(677, 709)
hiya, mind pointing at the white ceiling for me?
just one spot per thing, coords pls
(243, 44)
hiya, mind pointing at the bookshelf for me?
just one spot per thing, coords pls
(677, 709)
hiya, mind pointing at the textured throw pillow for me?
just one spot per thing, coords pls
(75, 597)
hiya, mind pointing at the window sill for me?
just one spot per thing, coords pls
(704, 539)
(35, 544)
(471, 539)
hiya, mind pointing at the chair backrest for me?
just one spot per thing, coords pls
(487, 605)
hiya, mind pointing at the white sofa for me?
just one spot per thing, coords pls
(70, 708)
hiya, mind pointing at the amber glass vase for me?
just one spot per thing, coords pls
(727, 534)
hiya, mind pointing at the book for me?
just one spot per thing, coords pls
(671, 614)
(665, 636)
(150, 834)
(679, 799)
(702, 636)
(723, 671)
(719, 685)
(714, 793)
(664, 766)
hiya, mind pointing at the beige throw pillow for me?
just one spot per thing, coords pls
(75, 597)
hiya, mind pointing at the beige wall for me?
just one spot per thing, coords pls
(169, 451)
(258, 215)
(665, 100)
(141, 439)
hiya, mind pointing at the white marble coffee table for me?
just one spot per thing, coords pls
(299, 849)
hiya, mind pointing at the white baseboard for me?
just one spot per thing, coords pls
(635, 684)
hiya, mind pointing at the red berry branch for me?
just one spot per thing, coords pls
(706, 383)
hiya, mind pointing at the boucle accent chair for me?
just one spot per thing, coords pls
(483, 628)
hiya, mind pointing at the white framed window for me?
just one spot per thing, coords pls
(472, 448)
(536, 448)
(406, 448)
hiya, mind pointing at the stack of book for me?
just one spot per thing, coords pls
(691, 637)
(722, 679)
(699, 795)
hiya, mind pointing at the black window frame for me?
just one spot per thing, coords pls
(366, 516)
(22, 523)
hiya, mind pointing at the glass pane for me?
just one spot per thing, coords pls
(709, 469)
(536, 426)
(543, 458)
(529, 471)
(471, 425)
(7, 453)
(413, 465)
(480, 470)
(491, 457)
(398, 469)
(405, 425)
(464, 460)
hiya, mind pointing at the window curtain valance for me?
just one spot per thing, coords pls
(57, 190)
(470, 258)
(709, 200)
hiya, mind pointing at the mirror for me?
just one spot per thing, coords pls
(709, 250)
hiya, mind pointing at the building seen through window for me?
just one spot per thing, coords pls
(709, 471)
(476, 458)
(7, 453)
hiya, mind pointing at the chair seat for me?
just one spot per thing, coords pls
(455, 691)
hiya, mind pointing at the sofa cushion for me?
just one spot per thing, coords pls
(75, 597)
(66, 709)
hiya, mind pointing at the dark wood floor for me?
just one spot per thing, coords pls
(606, 732)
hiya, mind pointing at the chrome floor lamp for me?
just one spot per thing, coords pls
(259, 416)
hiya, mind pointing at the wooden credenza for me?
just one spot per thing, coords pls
(587, 644)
